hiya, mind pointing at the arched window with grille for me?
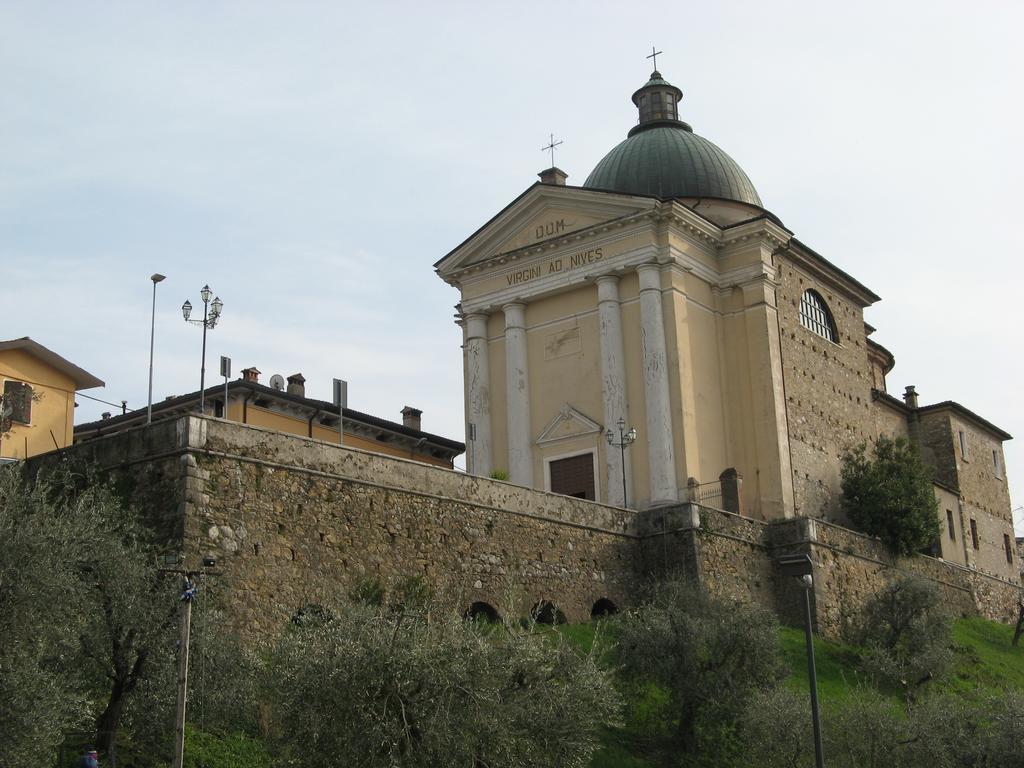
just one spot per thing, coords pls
(814, 316)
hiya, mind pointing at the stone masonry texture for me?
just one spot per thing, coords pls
(294, 522)
(828, 391)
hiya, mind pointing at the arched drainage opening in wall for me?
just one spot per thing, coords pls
(483, 612)
(603, 607)
(546, 613)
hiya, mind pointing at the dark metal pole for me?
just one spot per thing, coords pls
(819, 759)
(152, 332)
(202, 370)
(179, 716)
(622, 464)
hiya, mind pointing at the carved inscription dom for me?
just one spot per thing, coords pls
(549, 229)
(561, 264)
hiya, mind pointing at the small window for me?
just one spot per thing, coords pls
(974, 532)
(815, 317)
(17, 403)
(963, 445)
(1008, 547)
(997, 463)
(949, 524)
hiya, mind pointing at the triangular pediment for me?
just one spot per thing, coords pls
(544, 212)
(567, 424)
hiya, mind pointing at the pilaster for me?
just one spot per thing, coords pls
(613, 383)
(517, 389)
(771, 432)
(478, 388)
(661, 455)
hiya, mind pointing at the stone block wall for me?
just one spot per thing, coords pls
(980, 478)
(850, 568)
(828, 390)
(148, 468)
(294, 521)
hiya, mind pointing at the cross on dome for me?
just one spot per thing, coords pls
(654, 55)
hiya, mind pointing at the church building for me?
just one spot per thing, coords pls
(657, 335)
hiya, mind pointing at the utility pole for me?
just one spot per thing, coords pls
(188, 594)
(185, 626)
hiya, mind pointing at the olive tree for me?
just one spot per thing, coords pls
(709, 655)
(888, 493)
(82, 610)
(862, 730)
(907, 634)
(40, 606)
(378, 687)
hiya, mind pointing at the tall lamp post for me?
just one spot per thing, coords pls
(211, 314)
(156, 278)
(626, 439)
(802, 568)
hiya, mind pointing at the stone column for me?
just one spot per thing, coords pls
(661, 454)
(613, 382)
(517, 396)
(478, 396)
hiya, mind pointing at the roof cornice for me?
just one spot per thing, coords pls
(82, 378)
(452, 266)
(356, 419)
(966, 413)
(824, 270)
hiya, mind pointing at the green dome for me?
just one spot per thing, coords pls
(663, 156)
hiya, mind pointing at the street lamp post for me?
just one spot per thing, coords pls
(211, 314)
(156, 278)
(626, 439)
(802, 568)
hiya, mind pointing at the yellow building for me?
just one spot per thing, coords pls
(662, 295)
(38, 398)
(285, 408)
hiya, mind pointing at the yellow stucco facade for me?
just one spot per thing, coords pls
(45, 421)
(269, 418)
(739, 355)
(291, 412)
(720, 403)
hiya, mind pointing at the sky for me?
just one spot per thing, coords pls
(310, 161)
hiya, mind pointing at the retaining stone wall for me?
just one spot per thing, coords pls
(294, 521)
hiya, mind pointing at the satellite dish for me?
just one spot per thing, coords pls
(277, 382)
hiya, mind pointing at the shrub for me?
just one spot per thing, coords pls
(889, 494)
(380, 688)
(207, 750)
(368, 591)
(709, 655)
(907, 635)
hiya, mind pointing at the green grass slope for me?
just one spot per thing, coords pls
(985, 663)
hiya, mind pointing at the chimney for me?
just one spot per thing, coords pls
(411, 417)
(555, 176)
(910, 397)
(251, 374)
(297, 385)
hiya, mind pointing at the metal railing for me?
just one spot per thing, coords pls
(706, 494)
